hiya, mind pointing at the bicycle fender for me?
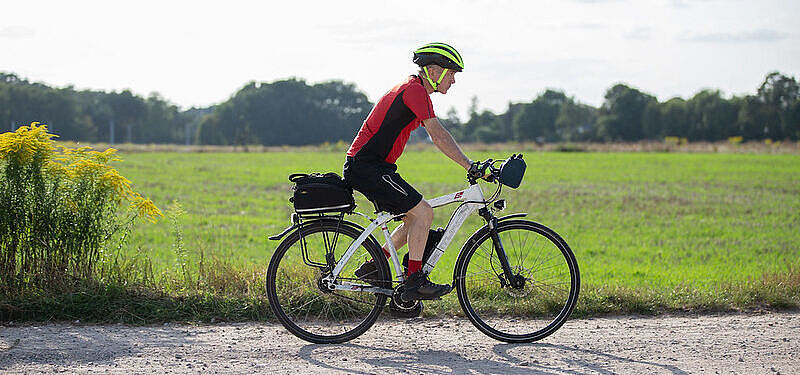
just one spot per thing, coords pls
(521, 214)
(285, 231)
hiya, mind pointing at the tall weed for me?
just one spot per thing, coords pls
(59, 207)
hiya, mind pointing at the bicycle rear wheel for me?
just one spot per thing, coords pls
(299, 298)
(541, 259)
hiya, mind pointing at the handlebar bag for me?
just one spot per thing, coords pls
(320, 193)
(511, 171)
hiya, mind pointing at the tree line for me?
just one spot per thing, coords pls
(92, 116)
(628, 114)
(293, 112)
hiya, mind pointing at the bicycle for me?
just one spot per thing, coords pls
(517, 280)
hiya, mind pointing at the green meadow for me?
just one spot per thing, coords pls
(652, 232)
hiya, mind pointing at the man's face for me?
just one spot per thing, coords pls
(448, 80)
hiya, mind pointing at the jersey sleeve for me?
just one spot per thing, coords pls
(416, 99)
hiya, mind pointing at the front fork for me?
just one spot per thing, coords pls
(510, 279)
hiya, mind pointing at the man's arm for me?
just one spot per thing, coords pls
(445, 142)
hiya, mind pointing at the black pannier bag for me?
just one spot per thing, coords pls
(318, 193)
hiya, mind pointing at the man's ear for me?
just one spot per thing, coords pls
(435, 71)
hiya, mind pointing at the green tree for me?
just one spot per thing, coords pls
(665, 119)
(674, 118)
(576, 121)
(466, 132)
(620, 117)
(779, 94)
(162, 122)
(537, 120)
(504, 122)
(749, 118)
(479, 125)
(288, 112)
(95, 108)
(23, 102)
(652, 121)
(793, 121)
(129, 113)
(711, 117)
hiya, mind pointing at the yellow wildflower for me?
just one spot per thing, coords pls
(22, 144)
(57, 169)
(146, 208)
(105, 156)
(75, 151)
(120, 184)
(84, 167)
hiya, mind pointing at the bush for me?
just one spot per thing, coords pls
(59, 207)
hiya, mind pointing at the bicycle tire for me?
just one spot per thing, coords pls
(541, 306)
(297, 298)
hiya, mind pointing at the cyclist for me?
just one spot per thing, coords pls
(370, 166)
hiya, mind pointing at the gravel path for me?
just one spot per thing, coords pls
(737, 344)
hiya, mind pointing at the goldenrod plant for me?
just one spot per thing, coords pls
(59, 207)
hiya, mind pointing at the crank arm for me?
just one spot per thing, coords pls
(362, 288)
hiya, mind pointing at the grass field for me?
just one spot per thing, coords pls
(652, 232)
(678, 230)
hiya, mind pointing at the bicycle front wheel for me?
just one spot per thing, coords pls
(545, 273)
(300, 298)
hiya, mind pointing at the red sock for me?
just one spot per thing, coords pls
(414, 266)
(386, 253)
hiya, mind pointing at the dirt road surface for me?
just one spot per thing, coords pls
(728, 344)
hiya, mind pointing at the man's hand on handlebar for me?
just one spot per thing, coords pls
(478, 170)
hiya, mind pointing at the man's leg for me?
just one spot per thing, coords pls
(399, 237)
(418, 286)
(418, 220)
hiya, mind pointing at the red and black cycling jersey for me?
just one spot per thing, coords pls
(386, 130)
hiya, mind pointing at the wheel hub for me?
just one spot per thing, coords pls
(514, 287)
(518, 282)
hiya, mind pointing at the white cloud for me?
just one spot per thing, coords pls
(17, 32)
(754, 36)
(640, 33)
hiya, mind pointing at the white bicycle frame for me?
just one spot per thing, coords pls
(474, 200)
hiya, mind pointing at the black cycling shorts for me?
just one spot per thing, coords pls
(381, 184)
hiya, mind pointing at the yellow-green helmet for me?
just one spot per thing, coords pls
(440, 54)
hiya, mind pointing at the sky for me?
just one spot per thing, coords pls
(199, 53)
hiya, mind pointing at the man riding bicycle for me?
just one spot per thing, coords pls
(370, 167)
